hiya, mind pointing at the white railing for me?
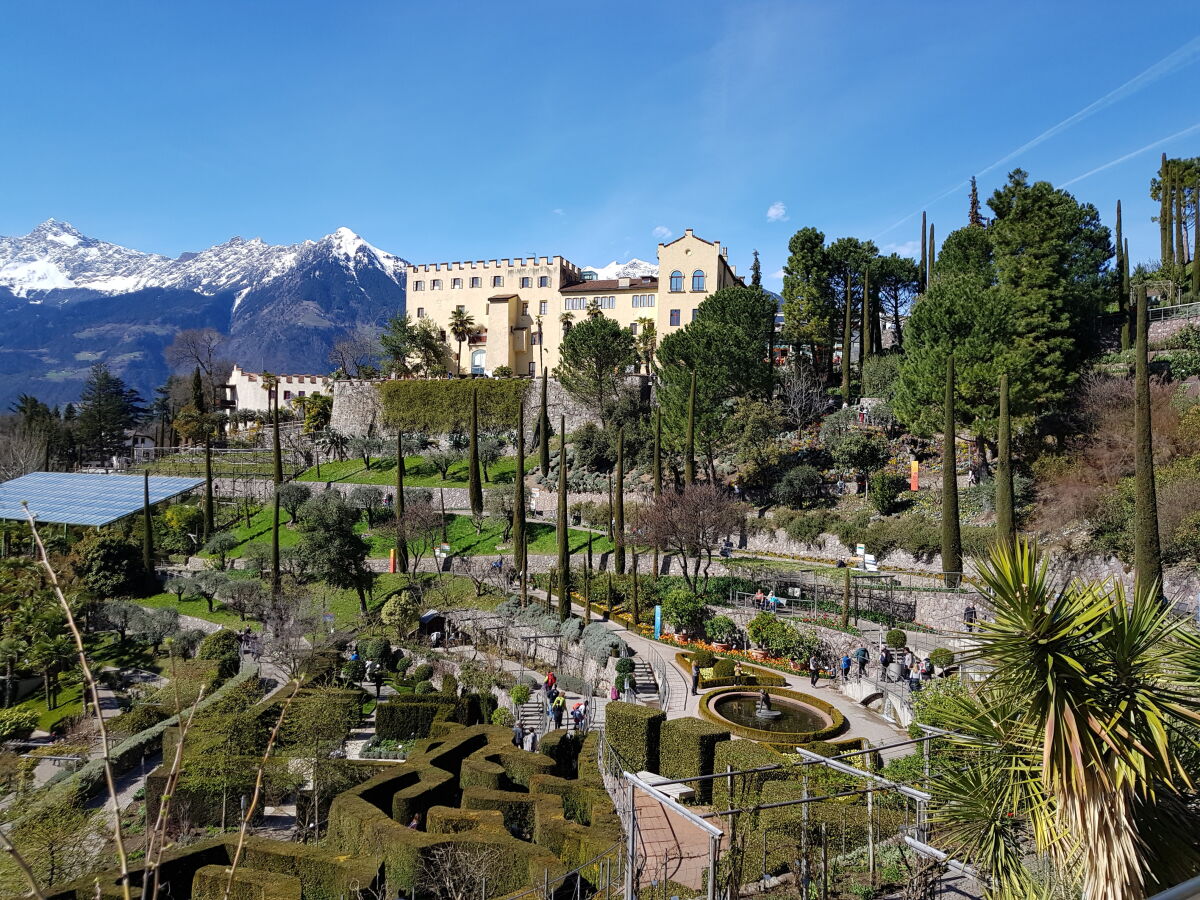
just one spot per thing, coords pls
(1182, 311)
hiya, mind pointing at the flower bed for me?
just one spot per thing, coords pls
(751, 675)
(385, 748)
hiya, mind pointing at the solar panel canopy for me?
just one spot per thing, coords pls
(71, 498)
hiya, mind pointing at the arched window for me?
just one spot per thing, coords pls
(677, 280)
(698, 280)
(478, 361)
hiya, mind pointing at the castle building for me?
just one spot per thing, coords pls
(521, 308)
(247, 391)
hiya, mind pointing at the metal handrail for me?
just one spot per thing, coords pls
(1182, 310)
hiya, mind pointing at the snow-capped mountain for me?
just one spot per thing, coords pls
(55, 256)
(635, 268)
(70, 301)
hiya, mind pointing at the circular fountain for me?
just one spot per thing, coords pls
(790, 716)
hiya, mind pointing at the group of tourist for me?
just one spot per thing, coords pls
(556, 705)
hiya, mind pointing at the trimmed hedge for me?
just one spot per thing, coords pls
(751, 675)
(686, 749)
(412, 716)
(739, 756)
(837, 720)
(248, 884)
(439, 406)
(447, 820)
(634, 733)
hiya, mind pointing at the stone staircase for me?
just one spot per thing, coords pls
(647, 686)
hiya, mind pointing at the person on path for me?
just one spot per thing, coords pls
(531, 740)
(969, 616)
(885, 662)
(845, 667)
(613, 693)
(549, 683)
(518, 735)
(759, 597)
(862, 656)
(737, 673)
(415, 822)
(695, 678)
(814, 670)
(906, 664)
(926, 669)
(558, 707)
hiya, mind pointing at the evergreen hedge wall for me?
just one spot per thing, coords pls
(634, 732)
(687, 748)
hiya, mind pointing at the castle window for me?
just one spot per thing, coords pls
(436, 284)
(531, 368)
(543, 307)
(497, 281)
(418, 285)
(524, 309)
(633, 328)
(543, 281)
(607, 302)
(643, 300)
(694, 311)
(674, 317)
(698, 280)
(476, 281)
(420, 312)
(526, 282)
(676, 281)
(455, 284)
(461, 308)
(575, 303)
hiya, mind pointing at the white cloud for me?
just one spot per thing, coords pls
(777, 212)
(558, 212)
(777, 275)
(662, 232)
(908, 248)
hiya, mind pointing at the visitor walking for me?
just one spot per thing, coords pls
(926, 669)
(695, 678)
(814, 670)
(862, 656)
(737, 673)
(885, 662)
(549, 683)
(906, 664)
(558, 707)
(969, 616)
(518, 735)
(845, 667)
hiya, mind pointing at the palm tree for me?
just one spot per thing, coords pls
(567, 319)
(462, 325)
(1081, 737)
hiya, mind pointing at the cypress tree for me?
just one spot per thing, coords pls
(543, 428)
(847, 324)
(549, 604)
(564, 544)
(633, 593)
(756, 272)
(865, 348)
(689, 459)
(1196, 248)
(951, 533)
(1005, 518)
(1180, 218)
(932, 254)
(608, 600)
(474, 484)
(198, 400)
(1147, 551)
(275, 503)
(924, 258)
(1166, 253)
(208, 486)
(518, 516)
(973, 215)
(657, 474)
(1122, 287)
(147, 530)
(619, 508)
(587, 581)
(401, 537)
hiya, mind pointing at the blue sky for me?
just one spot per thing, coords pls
(446, 130)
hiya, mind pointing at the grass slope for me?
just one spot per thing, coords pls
(417, 472)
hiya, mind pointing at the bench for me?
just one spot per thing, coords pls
(674, 791)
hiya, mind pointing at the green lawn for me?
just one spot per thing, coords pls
(103, 651)
(198, 608)
(417, 472)
(459, 530)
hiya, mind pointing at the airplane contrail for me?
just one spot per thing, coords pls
(1132, 154)
(1184, 56)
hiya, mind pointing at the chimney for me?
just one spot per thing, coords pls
(623, 282)
(687, 232)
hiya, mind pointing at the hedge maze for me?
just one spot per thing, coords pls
(531, 815)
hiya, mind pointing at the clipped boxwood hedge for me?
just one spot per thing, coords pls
(686, 749)
(751, 675)
(412, 716)
(248, 884)
(837, 720)
(738, 756)
(633, 733)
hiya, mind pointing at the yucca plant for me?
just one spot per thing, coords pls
(1080, 742)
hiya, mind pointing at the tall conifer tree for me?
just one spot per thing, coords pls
(543, 428)
(951, 532)
(564, 544)
(1122, 296)
(973, 215)
(924, 257)
(657, 473)
(932, 254)
(401, 536)
(1147, 550)
(866, 348)
(847, 339)
(1196, 247)
(756, 272)
(1005, 518)
(518, 519)
(474, 481)
(689, 459)
(1165, 235)
(619, 507)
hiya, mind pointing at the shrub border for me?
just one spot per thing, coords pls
(683, 660)
(837, 726)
